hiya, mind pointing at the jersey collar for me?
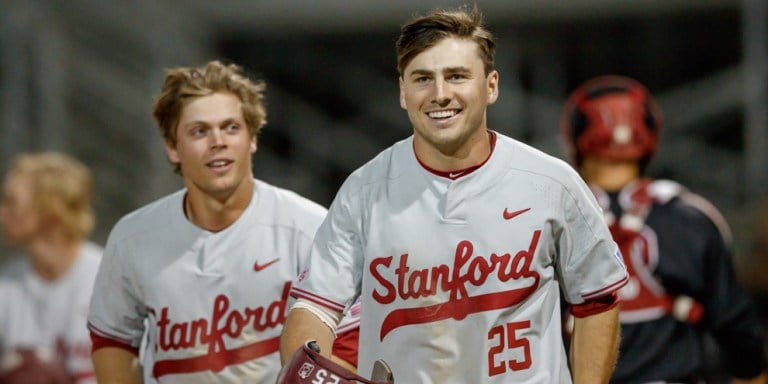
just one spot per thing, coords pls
(455, 174)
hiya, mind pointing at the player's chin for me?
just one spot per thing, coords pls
(230, 182)
(223, 185)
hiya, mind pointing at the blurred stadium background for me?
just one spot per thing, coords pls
(79, 76)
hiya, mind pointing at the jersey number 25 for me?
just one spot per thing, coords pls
(505, 337)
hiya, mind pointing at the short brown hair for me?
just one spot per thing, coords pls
(184, 84)
(62, 188)
(424, 32)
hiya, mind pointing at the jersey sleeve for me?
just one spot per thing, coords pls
(348, 334)
(311, 220)
(728, 310)
(333, 276)
(589, 261)
(116, 315)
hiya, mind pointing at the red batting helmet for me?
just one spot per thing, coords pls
(611, 117)
(307, 366)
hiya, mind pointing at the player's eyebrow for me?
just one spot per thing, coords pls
(421, 72)
(226, 121)
(426, 72)
(230, 120)
(456, 70)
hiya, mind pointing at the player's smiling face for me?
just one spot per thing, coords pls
(213, 146)
(446, 92)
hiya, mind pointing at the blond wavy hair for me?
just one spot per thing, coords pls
(62, 189)
(184, 84)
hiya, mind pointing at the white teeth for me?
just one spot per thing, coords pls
(442, 114)
(219, 163)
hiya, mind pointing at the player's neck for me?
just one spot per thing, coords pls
(52, 256)
(217, 213)
(475, 150)
(611, 176)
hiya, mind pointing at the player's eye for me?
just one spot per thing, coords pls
(232, 127)
(198, 131)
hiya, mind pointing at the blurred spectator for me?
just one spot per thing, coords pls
(46, 213)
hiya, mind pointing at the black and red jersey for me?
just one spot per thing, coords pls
(682, 287)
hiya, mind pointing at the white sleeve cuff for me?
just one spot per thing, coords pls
(327, 316)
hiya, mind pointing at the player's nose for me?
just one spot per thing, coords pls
(217, 137)
(442, 94)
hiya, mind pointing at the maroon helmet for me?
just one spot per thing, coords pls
(611, 117)
(307, 366)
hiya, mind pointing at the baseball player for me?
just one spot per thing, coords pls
(206, 271)
(46, 212)
(459, 239)
(675, 245)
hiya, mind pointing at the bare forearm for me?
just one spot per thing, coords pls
(300, 326)
(594, 347)
(346, 364)
(116, 366)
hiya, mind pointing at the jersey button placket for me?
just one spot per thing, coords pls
(455, 206)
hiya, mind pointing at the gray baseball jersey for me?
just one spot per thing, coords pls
(460, 274)
(50, 315)
(214, 303)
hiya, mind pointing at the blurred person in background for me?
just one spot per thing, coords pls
(676, 245)
(46, 213)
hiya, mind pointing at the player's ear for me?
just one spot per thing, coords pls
(171, 152)
(254, 145)
(402, 93)
(492, 83)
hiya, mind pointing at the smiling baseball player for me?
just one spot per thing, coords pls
(459, 239)
(205, 271)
